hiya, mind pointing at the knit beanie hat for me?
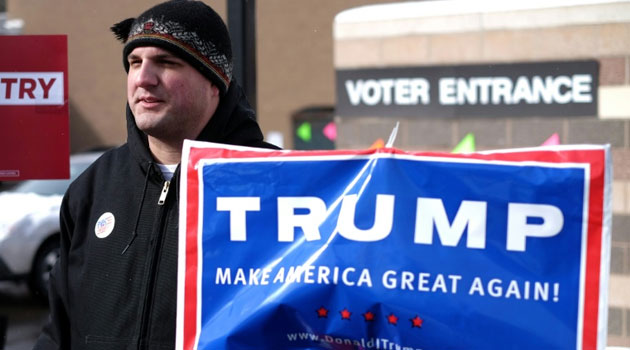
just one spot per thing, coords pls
(189, 29)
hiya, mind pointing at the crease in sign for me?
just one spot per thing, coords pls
(31, 88)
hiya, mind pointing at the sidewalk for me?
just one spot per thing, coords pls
(25, 316)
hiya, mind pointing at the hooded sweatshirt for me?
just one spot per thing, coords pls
(115, 283)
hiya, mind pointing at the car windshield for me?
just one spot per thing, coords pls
(51, 187)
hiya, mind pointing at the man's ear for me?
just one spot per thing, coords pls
(215, 90)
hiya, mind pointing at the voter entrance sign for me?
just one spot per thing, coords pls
(542, 89)
(385, 249)
(34, 108)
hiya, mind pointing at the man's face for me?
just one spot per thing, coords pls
(169, 98)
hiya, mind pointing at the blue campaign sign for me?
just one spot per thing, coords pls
(387, 250)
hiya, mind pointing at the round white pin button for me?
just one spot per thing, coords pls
(105, 225)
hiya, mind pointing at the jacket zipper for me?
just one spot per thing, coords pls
(143, 339)
(162, 199)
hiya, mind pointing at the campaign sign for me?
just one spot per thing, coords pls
(385, 249)
(34, 140)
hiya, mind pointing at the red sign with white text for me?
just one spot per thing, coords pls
(34, 139)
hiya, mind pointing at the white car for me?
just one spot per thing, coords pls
(29, 227)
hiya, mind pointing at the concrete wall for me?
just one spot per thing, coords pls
(430, 34)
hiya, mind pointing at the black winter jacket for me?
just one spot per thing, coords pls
(100, 297)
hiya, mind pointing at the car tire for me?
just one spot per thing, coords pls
(45, 259)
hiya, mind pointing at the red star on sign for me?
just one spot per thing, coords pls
(322, 312)
(345, 314)
(416, 322)
(392, 319)
(369, 316)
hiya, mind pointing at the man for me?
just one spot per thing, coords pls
(114, 286)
